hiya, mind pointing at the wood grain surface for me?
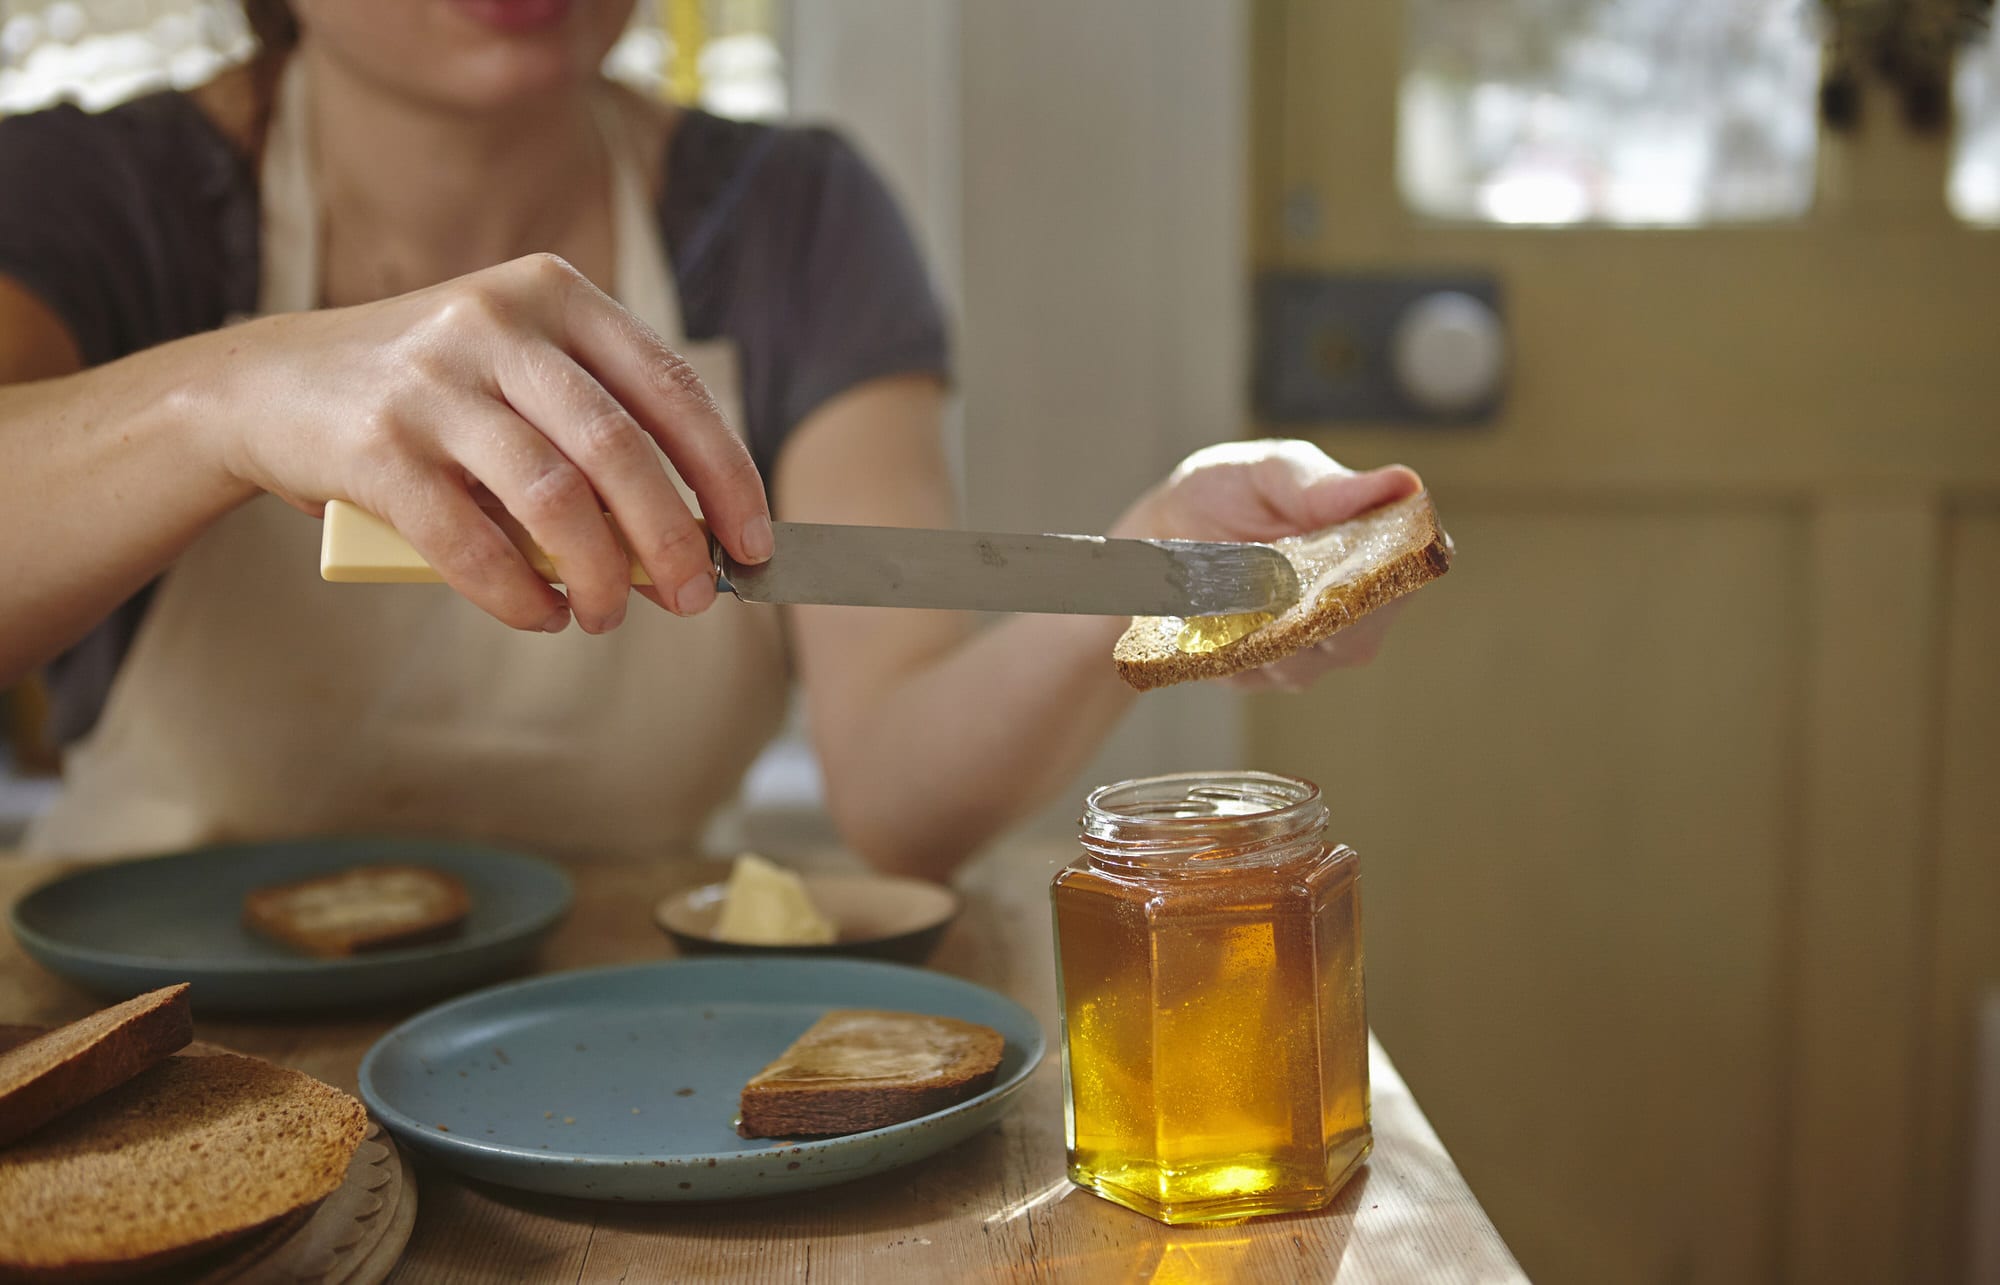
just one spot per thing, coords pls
(996, 1208)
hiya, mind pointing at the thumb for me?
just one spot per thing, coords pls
(1340, 496)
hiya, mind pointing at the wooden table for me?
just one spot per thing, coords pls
(997, 1207)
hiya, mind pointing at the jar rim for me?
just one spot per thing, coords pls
(1281, 793)
(1225, 819)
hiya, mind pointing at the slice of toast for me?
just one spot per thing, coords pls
(1345, 572)
(361, 909)
(857, 1069)
(46, 1076)
(181, 1158)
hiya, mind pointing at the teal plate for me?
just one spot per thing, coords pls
(622, 1083)
(121, 929)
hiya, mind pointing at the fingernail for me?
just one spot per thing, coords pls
(756, 538)
(557, 623)
(695, 595)
(612, 619)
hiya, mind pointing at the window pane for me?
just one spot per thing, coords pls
(106, 51)
(100, 52)
(1647, 112)
(737, 67)
(1974, 187)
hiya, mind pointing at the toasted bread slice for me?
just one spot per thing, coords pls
(857, 1069)
(177, 1160)
(46, 1076)
(365, 908)
(1345, 572)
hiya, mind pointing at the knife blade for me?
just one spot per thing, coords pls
(908, 567)
(865, 566)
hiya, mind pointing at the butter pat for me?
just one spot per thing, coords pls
(767, 905)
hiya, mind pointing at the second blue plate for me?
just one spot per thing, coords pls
(133, 926)
(622, 1083)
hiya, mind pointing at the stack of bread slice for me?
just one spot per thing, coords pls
(120, 1159)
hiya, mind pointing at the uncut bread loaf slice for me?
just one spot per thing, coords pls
(1345, 572)
(378, 907)
(857, 1069)
(45, 1076)
(178, 1160)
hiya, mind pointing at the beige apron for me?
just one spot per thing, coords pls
(259, 702)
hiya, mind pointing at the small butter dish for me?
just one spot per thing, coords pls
(877, 916)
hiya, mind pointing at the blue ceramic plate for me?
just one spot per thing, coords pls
(122, 929)
(622, 1083)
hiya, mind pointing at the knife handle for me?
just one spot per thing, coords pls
(356, 547)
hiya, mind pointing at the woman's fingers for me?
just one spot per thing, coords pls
(557, 505)
(473, 555)
(600, 438)
(527, 382)
(669, 401)
(1336, 497)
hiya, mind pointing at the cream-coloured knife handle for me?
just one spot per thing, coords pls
(356, 547)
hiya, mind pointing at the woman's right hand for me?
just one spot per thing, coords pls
(524, 381)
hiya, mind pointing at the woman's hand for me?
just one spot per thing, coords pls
(523, 382)
(1262, 491)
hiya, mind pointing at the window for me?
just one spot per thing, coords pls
(110, 50)
(1631, 112)
(100, 52)
(1973, 189)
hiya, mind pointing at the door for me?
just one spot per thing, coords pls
(1677, 798)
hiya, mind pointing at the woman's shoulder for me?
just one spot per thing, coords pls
(164, 129)
(694, 157)
(135, 224)
(706, 150)
(786, 189)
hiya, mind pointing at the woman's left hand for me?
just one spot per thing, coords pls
(1261, 491)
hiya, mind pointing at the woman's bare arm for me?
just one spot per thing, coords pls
(103, 479)
(933, 737)
(522, 382)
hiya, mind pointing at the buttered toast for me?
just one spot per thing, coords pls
(857, 1069)
(365, 908)
(1346, 571)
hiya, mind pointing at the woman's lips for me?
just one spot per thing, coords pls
(515, 15)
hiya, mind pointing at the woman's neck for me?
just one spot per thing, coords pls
(413, 194)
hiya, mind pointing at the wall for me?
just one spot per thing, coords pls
(1078, 175)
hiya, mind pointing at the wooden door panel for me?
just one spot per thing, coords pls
(1964, 918)
(1571, 780)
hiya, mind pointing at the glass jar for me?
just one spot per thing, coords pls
(1215, 1039)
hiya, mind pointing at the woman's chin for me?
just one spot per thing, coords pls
(496, 80)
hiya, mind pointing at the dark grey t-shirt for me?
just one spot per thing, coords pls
(139, 225)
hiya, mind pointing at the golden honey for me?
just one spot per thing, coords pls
(1215, 1044)
(1202, 634)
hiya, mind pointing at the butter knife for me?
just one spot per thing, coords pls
(907, 567)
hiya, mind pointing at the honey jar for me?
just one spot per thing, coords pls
(1214, 1034)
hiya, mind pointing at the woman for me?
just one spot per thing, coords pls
(481, 275)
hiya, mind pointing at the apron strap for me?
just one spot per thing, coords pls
(290, 248)
(289, 244)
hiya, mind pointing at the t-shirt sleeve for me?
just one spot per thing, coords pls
(89, 223)
(866, 308)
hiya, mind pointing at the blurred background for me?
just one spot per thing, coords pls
(1680, 798)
